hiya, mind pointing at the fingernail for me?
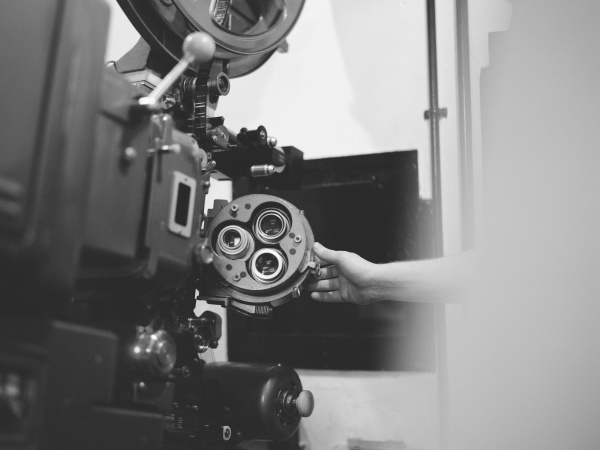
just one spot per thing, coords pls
(317, 246)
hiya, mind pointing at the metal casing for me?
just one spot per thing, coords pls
(252, 392)
(234, 279)
(49, 85)
(128, 236)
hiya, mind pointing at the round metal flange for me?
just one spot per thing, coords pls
(277, 267)
(165, 24)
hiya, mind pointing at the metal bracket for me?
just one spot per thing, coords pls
(440, 113)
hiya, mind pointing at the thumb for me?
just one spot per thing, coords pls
(326, 255)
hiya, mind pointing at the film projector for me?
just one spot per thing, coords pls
(106, 244)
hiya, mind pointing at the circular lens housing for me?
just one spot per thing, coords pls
(234, 242)
(232, 239)
(267, 265)
(271, 225)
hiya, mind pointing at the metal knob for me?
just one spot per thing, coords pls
(197, 47)
(305, 403)
(156, 352)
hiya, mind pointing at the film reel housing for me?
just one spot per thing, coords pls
(263, 253)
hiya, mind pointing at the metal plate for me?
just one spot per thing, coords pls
(235, 272)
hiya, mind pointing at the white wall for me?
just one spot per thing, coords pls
(531, 368)
(354, 81)
(398, 406)
(485, 17)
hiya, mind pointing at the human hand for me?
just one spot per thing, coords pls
(345, 277)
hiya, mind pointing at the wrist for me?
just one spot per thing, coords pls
(393, 281)
(379, 287)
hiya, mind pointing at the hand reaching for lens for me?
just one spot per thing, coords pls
(345, 277)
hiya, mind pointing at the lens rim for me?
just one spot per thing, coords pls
(244, 247)
(275, 276)
(264, 237)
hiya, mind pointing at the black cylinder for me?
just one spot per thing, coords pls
(255, 394)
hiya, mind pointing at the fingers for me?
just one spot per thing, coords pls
(324, 285)
(326, 255)
(328, 272)
(332, 296)
(326, 288)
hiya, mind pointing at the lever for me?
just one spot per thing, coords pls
(197, 47)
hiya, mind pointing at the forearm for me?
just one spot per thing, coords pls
(442, 280)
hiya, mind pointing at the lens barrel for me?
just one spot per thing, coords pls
(267, 265)
(271, 225)
(234, 242)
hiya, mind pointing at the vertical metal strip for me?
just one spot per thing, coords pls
(434, 131)
(438, 243)
(465, 125)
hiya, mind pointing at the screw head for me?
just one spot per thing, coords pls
(226, 433)
(129, 154)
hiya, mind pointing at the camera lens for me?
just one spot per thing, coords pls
(234, 242)
(271, 225)
(267, 265)
(232, 239)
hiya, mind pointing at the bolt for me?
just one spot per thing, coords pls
(210, 165)
(226, 433)
(314, 268)
(236, 277)
(184, 371)
(234, 208)
(170, 148)
(129, 154)
(298, 239)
